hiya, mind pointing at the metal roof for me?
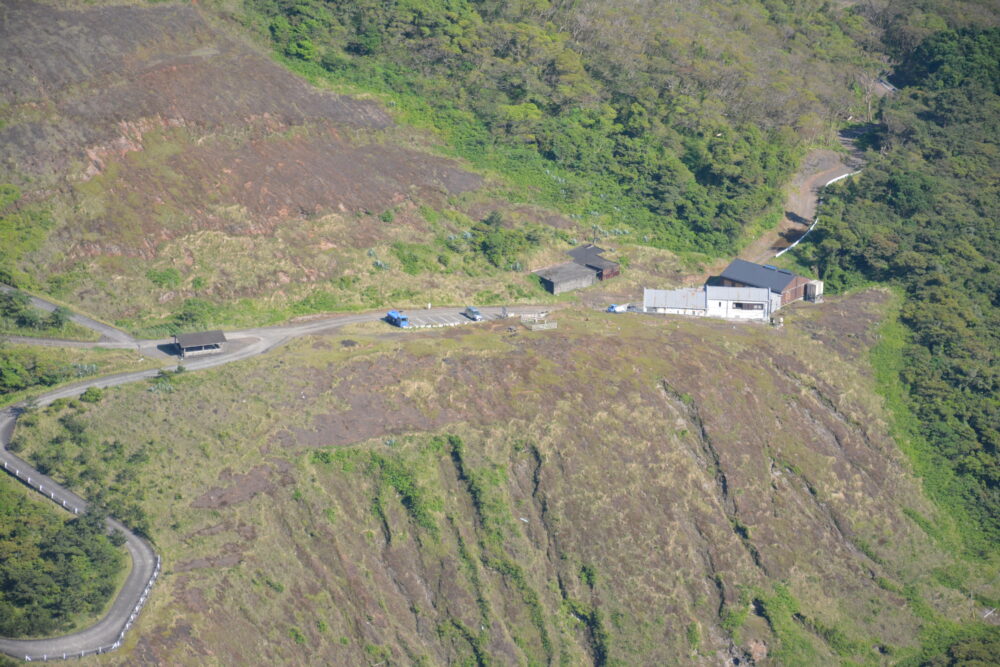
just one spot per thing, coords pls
(590, 255)
(757, 275)
(738, 293)
(585, 250)
(690, 298)
(200, 338)
(565, 272)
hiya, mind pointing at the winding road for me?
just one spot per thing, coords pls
(821, 168)
(108, 633)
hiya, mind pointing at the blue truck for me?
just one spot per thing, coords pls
(397, 318)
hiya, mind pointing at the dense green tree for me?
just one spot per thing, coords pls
(59, 317)
(51, 570)
(606, 109)
(923, 216)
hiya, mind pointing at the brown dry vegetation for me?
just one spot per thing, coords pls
(160, 142)
(623, 490)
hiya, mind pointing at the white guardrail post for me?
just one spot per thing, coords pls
(820, 201)
(135, 610)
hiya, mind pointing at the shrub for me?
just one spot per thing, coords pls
(296, 635)
(169, 277)
(92, 395)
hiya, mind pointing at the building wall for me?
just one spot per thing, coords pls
(200, 350)
(729, 310)
(794, 291)
(814, 290)
(696, 312)
(558, 287)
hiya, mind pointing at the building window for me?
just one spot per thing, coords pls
(748, 306)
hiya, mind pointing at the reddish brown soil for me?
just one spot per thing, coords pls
(683, 460)
(818, 168)
(98, 70)
(231, 555)
(90, 91)
(274, 180)
(800, 208)
(844, 325)
(242, 487)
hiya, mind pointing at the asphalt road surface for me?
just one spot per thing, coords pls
(108, 633)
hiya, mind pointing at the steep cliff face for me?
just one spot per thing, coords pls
(622, 490)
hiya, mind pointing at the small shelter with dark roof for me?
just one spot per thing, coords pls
(587, 267)
(565, 277)
(589, 255)
(741, 273)
(202, 342)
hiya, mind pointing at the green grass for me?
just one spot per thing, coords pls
(68, 365)
(953, 529)
(331, 516)
(69, 331)
(21, 233)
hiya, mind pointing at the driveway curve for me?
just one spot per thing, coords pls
(819, 168)
(108, 633)
(109, 334)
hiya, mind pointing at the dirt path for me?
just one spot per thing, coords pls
(819, 168)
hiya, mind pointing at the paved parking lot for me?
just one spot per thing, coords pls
(437, 318)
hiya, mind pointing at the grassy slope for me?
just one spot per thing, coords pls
(579, 514)
(69, 331)
(76, 364)
(148, 210)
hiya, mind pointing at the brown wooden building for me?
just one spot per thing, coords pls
(791, 287)
(589, 255)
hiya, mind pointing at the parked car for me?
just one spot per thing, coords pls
(618, 308)
(473, 313)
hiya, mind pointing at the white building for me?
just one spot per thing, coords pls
(739, 303)
(689, 301)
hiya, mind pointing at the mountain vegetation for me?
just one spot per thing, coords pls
(702, 494)
(441, 499)
(54, 571)
(923, 216)
(683, 121)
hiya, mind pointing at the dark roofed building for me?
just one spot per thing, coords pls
(589, 255)
(202, 342)
(741, 273)
(565, 277)
(586, 267)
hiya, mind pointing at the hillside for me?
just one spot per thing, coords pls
(151, 185)
(622, 490)
(149, 171)
(700, 492)
(165, 170)
(922, 216)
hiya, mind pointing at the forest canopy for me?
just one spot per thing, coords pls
(681, 122)
(923, 216)
(52, 570)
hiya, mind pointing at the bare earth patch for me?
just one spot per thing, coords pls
(242, 487)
